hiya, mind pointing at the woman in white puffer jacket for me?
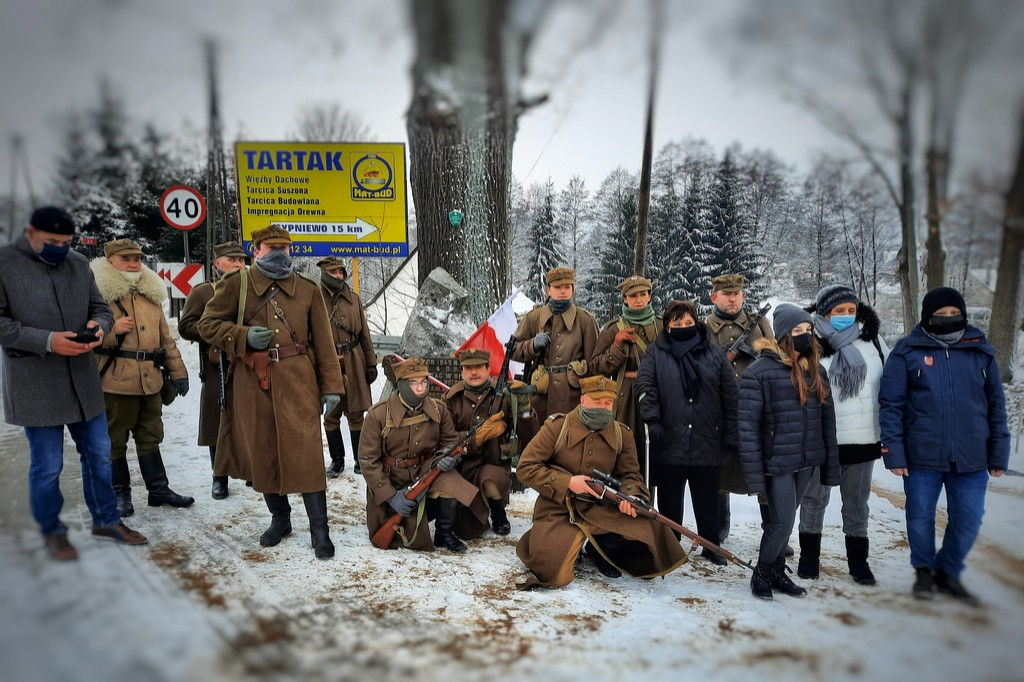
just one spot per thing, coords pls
(853, 355)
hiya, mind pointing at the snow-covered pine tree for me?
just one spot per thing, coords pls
(545, 245)
(616, 260)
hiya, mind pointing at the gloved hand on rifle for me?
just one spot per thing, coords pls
(519, 387)
(447, 463)
(371, 374)
(258, 338)
(401, 504)
(541, 341)
(181, 386)
(490, 429)
(329, 401)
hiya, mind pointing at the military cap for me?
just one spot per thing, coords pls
(728, 282)
(331, 262)
(122, 247)
(599, 387)
(53, 220)
(272, 235)
(633, 284)
(560, 275)
(474, 356)
(229, 249)
(411, 368)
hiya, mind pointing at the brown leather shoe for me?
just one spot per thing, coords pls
(59, 547)
(119, 533)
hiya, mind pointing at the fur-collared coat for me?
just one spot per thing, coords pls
(143, 303)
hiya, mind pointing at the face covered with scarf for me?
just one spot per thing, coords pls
(839, 328)
(274, 260)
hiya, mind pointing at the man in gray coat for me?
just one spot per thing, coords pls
(51, 318)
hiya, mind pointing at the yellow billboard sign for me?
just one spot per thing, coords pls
(336, 199)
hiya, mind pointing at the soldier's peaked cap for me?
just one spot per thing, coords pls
(272, 234)
(599, 387)
(728, 282)
(229, 249)
(560, 275)
(474, 356)
(632, 285)
(411, 368)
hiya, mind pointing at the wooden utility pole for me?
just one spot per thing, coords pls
(643, 208)
(218, 223)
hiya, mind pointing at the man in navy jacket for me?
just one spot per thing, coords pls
(943, 421)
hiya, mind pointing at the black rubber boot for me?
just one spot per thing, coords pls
(121, 478)
(499, 520)
(857, 558)
(945, 584)
(761, 581)
(336, 446)
(355, 451)
(781, 581)
(219, 489)
(444, 536)
(602, 564)
(155, 476)
(319, 535)
(810, 556)
(281, 519)
(924, 583)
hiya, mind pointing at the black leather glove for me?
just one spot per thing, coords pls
(401, 504)
(181, 386)
(371, 374)
(541, 340)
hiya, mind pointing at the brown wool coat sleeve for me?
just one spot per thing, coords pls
(217, 325)
(534, 467)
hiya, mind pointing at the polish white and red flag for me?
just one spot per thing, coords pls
(493, 334)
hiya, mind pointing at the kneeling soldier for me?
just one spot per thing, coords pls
(557, 463)
(401, 436)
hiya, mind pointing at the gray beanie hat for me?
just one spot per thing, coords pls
(786, 317)
(832, 295)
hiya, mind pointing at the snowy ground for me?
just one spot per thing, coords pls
(203, 601)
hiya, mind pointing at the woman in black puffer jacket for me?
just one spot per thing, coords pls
(688, 399)
(787, 428)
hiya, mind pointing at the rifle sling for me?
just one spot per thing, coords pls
(120, 342)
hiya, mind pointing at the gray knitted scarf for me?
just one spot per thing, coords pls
(849, 370)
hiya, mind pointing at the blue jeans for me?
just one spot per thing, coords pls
(965, 505)
(46, 445)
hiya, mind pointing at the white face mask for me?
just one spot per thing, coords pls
(132, 277)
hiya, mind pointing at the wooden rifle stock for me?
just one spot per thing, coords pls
(737, 347)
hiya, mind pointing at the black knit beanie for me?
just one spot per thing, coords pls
(940, 298)
(832, 295)
(786, 317)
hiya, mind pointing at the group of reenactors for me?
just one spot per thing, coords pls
(279, 350)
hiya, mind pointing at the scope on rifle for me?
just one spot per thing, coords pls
(607, 479)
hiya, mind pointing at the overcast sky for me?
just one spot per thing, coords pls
(278, 56)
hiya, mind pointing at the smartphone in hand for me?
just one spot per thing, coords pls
(88, 335)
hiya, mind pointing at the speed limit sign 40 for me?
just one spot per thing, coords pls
(183, 207)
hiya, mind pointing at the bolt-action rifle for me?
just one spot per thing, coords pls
(501, 388)
(606, 487)
(740, 344)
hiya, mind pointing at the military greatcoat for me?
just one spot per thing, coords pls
(561, 523)
(209, 397)
(622, 363)
(352, 345)
(272, 437)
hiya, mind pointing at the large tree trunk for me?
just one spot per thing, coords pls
(1005, 310)
(907, 268)
(936, 163)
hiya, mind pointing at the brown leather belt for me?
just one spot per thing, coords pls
(259, 361)
(557, 369)
(278, 354)
(403, 463)
(343, 348)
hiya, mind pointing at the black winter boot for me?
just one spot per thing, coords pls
(924, 583)
(810, 555)
(219, 489)
(443, 534)
(155, 476)
(121, 478)
(857, 558)
(951, 586)
(336, 446)
(761, 581)
(355, 451)
(499, 520)
(281, 519)
(602, 564)
(724, 517)
(316, 510)
(781, 581)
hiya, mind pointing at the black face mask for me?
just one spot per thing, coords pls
(682, 333)
(802, 343)
(942, 324)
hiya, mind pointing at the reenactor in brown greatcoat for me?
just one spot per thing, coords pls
(558, 339)
(557, 463)
(284, 373)
(487, 463)
(726, 322)
(229, 258)
(356, 356)
(129, 361)
(620, 349)
(402, 437)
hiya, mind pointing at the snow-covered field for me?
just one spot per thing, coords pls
(203, 601)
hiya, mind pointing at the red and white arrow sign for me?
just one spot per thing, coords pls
(180, 277)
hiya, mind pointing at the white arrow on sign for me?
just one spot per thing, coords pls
(358, 228)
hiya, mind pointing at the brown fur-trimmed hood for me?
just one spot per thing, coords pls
(770, 348)
(114, 287)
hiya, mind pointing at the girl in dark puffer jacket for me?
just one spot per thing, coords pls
(787, 428)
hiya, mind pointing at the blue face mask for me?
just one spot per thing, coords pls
(841, 322)
(54, 255)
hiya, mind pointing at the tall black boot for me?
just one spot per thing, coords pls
(499, 520)
(781, 581)
(810, 556)
(444, 536)
(355, 451)
(281, 519)
(121, 478)
(336, 446)
(155, 476)
(724, 516)
(761, 581)
(857, 558)
(316, 510)
(219, 490)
